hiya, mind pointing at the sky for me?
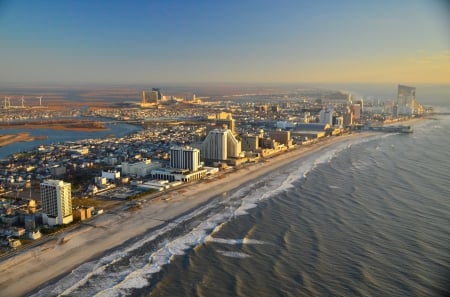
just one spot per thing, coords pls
(209, 41)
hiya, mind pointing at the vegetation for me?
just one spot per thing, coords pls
(141, 194)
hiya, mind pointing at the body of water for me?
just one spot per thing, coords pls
(61, 136)
(369, 217)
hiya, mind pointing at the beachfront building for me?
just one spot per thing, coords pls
(56, 202)
(250, 143)
(171, 174)
(141, 169)
(220, 145)
(407, 103)
(283, 137)
(406, 100)
(185, 158)
(214, 147)
(311, 131)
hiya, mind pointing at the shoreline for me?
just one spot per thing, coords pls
(30, 270)
(7, 139)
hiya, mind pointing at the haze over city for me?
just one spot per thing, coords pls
(178, 42)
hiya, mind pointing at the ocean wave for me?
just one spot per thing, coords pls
(234, 241)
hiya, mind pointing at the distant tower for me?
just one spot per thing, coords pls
(406, 100)
(326, 117)
(158, 93)
(7, 102)
(151, 98)
(56, 202)
(185, 158)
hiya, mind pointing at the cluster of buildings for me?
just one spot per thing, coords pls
(164, 155)
(154, 98)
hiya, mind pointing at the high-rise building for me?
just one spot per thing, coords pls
(56, 202)
(185, 158)
(356, 111)
(406, 100)
(214, 147)
(219, 145)
(158, 93)
(151, 98)
(326, 117)
(348, 117)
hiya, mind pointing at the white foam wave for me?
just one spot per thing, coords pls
(238, 255)
(234, 241)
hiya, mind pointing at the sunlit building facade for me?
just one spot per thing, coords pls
(56, 199)
(185, 158)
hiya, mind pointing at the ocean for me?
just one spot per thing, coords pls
(369, 217)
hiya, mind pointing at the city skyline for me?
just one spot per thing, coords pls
(215, 41)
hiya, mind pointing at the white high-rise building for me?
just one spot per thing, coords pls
(214, 147)
(56, 199)
(185, 158)
(220, 145)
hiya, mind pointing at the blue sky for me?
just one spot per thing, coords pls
(258, 41)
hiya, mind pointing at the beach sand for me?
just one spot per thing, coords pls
(36, 266)
(7, 139)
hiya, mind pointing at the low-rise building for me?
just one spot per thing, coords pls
(178, 175)
(141, 169)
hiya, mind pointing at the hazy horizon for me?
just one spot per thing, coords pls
(426, 93)
(224, 42)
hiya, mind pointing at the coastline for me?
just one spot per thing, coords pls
(31, 269)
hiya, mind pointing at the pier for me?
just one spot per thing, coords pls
(390, 129)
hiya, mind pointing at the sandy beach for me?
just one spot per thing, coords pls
(36, 266)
